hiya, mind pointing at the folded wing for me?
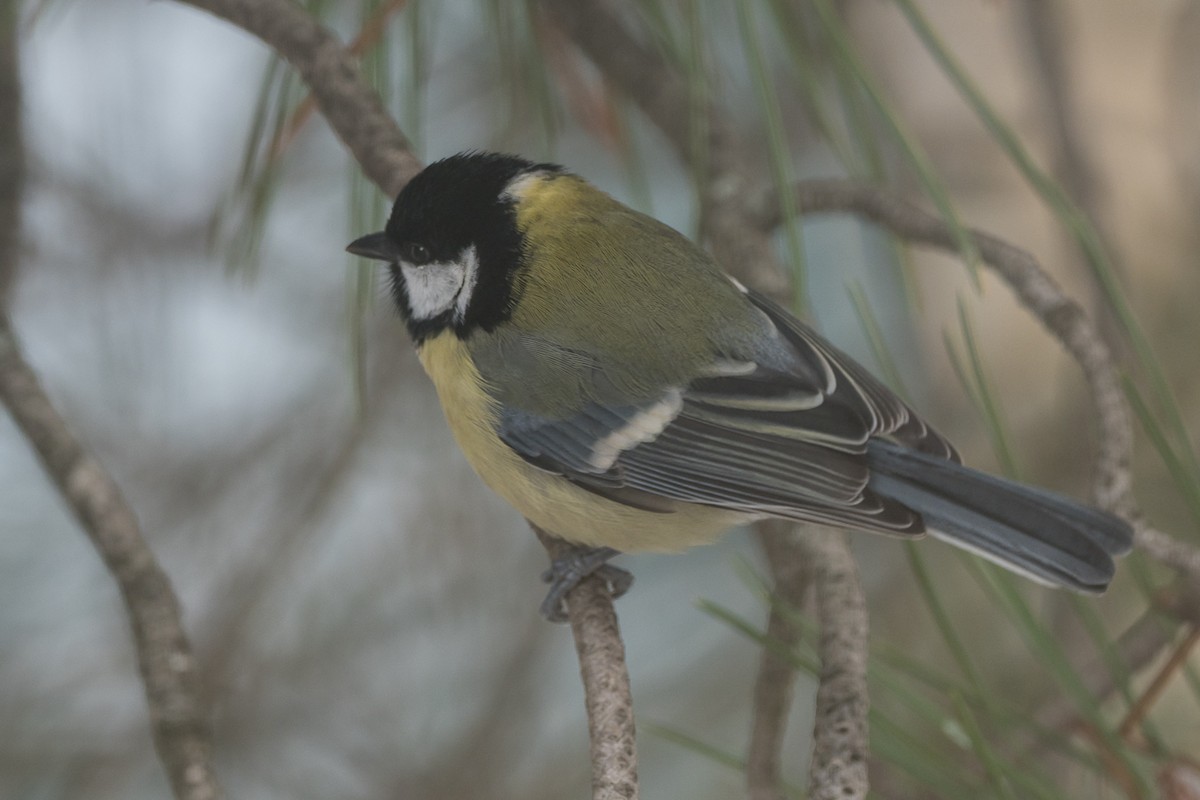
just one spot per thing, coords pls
(784, 434)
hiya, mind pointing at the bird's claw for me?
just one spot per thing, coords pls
(566, 572)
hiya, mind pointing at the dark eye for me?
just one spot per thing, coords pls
(416, 254)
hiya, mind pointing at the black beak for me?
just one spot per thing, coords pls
(375, 245)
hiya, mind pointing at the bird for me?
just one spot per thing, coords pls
(605, 376)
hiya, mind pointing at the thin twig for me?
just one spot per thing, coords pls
(1147, 699)
(1137, 646)
(178, 720)
(606, 689)
(776, 677)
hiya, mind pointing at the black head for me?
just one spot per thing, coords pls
(452, 243)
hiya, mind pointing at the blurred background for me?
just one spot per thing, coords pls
(364, 610)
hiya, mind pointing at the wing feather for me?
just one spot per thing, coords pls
(782, 432)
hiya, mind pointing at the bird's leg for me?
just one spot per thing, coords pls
(568, 570)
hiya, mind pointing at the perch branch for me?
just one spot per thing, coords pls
(606, 689)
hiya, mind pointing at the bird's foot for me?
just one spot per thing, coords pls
(566, 572)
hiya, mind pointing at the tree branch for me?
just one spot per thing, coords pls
(347, 101)
(168, 668)
(1046, 29)
(12, 151)
(178, 720)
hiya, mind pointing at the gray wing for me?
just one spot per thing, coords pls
(784, 434)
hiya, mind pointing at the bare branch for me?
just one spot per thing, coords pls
(1174, 553)
(605, 682)
(1046, 30)
(12, 151)
(178, 720)
(348, 102)
(1047, 35)
(177, 717)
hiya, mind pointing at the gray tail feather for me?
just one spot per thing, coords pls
(1043, 535)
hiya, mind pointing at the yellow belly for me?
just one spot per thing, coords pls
(551, 502)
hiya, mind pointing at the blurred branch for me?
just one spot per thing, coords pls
(1136, 647)
(1184, 558)
(663, 95)
(177, 718)
(1047, 35)
(776, 677)
(233, 616)
(12, 151)
(605, 682)
(168, 668)
(1158, 684)
(351, 106)
(444, 776)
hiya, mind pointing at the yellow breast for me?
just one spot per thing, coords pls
(550, 501)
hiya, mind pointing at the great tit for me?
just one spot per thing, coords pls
(604, 376)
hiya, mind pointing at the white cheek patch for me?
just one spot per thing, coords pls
(436, 288)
